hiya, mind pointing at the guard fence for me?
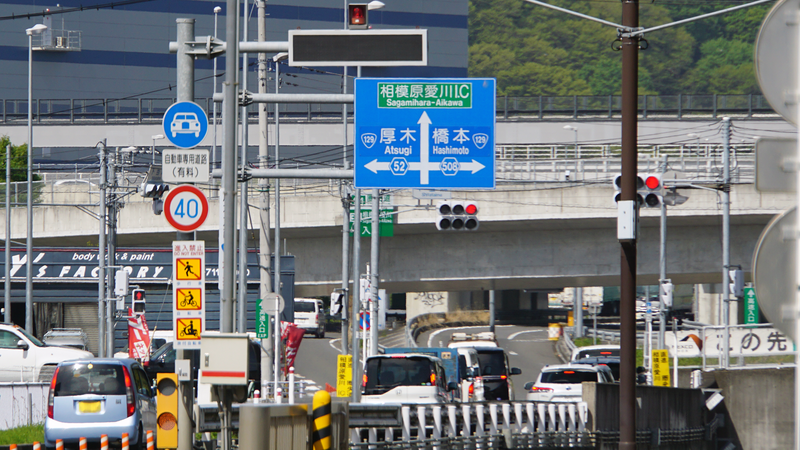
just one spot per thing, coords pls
(151, 110)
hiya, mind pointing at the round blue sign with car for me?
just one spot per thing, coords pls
(185, 124)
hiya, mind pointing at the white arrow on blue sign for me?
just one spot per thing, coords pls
(424, 133)
(185, 124)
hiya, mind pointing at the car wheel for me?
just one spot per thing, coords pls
(321, 333)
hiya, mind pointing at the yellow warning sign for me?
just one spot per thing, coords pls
(661, 368)
(189, 269)
(344, 376)
(189, 299)
(188, 329)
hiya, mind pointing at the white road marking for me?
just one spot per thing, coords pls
(513, 335)
(513, 353)
(332, 344)
(430, 338)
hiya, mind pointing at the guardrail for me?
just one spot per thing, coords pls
(151, 110)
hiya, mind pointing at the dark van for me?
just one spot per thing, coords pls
(495, 373)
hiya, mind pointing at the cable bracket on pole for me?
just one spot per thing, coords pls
(245, 98)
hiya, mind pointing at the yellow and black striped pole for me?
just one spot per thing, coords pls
(321, 405)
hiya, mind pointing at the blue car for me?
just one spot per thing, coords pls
(92, 397)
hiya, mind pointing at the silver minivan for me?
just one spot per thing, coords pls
(90, 398)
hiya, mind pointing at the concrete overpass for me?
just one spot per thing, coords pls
(531, 236)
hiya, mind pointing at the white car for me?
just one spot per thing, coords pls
(25, 358)
(185, 123)
(592, 351)
(564, 382)
(310, 316)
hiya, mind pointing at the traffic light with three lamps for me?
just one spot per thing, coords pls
(457, 216)
(736, 282)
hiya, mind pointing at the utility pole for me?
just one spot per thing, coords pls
(264, 246)
(242, 303)
(374, 255)
(630, 89)
(7, 303)
(578, 311)
(491, 310)
(112, 251)
(101, 255)
(356, 396)
(662, 264)
(726, 238)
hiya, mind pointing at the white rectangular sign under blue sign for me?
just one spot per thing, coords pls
(430, 133)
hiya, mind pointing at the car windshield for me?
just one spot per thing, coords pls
(384, 374)
(164, 349)
(89, 378)
(35, 341)
(493, 362)
(568, 376)
(304, 307)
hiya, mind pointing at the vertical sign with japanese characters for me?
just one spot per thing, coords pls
(661, 368)
(750, 306)
(188, 292)
(344, 376)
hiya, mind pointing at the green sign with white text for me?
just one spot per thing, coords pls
(262, 321)
(750, 306)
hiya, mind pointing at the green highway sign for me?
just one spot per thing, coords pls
(750, 306)
(385, 222)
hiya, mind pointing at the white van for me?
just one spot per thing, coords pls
(310, 316)
(405, 378)
(469, 373)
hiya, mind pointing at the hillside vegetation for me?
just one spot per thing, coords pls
(533, 50)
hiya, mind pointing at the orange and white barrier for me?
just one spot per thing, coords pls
(12, 447)
(103, 442)
(125, 445)
(151, 445)
(82, 444)
(37, 446)
(59, 444)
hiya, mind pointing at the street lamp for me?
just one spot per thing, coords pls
(155, 137)
(575, 129)
(36, 29)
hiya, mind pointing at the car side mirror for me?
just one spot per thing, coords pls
(22, 344)
(528, 385)
(516, 371)
(452, 386)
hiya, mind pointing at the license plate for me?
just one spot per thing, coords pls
(89, 407)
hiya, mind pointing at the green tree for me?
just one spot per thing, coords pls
(19, 160)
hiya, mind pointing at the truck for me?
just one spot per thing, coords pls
(26, 358)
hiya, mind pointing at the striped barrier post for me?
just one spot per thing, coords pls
(151, 445)
(125, 444)
(37, 446)
(12, 447)
(321, 413)
(82, 443)
(103, 442)
(59, 444)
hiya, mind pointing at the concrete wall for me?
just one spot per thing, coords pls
(760, 405)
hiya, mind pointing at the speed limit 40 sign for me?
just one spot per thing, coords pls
(186, 208)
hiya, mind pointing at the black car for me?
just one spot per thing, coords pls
(496, 375)
(163, 361)
(611, 361)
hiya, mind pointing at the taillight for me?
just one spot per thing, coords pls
(541, 389)
(503, 377)
(471, 389)
(51, 396)
(364, 380)
(129, 392)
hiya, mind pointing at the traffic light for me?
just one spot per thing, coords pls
(736, 282)
(666, 293)
(357, 16)
(337, 301)
(618, 188)
(167, 410)
(457, 216)
(138, 301)
(150, 189)
(653, 191)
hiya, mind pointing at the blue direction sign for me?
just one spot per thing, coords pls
(431, 133)
(185, 124)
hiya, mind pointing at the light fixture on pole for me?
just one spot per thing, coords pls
(375, 4)
(36, 29)
(155, 137)
(575, 129)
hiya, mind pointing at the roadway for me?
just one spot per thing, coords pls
(528, 348)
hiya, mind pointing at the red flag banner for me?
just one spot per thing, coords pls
(293, 337)
(138, 337)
